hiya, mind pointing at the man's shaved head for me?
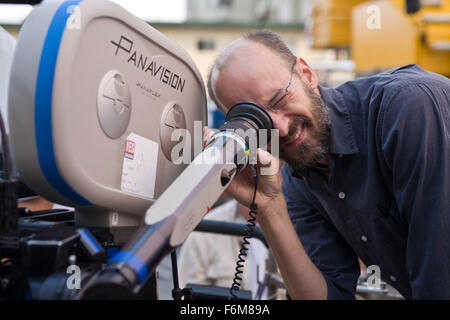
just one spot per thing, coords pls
(268, 39)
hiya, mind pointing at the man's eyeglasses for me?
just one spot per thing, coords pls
(273, 106)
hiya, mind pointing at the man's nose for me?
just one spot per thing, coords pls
(281, 123)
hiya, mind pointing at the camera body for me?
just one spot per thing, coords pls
(95, 96)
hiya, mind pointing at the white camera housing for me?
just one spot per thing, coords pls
(94, 96)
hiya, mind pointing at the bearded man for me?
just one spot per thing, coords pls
(366, 174)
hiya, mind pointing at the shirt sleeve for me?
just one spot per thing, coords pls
(415, 137)
(324, 245)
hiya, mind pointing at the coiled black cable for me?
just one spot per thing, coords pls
(244, 246)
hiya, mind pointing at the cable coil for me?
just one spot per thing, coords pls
(244, 246)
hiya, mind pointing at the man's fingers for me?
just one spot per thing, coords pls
(269, 165)
(207, 134)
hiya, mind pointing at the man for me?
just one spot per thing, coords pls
(367, 173)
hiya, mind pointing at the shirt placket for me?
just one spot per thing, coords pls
(354, 233)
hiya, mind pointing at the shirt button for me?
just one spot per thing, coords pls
(393, 279)
(364, 238)
(341, 195)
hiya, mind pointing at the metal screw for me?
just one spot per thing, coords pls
(72, 259)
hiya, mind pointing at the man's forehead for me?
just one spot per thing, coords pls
(251, 56)
(251, 74)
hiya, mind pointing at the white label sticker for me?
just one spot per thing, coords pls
(115, 219)
(139, 166)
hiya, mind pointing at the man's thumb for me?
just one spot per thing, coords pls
(269, 165)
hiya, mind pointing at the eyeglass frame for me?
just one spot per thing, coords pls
(286, 90)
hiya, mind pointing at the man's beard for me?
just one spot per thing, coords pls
(316, 146)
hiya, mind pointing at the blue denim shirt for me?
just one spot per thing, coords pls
(386, 195)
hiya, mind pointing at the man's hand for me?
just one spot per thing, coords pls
(302, 278)
(268, 194)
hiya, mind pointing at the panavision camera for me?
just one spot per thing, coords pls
(97, 101)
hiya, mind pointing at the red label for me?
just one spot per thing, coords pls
(129, 149)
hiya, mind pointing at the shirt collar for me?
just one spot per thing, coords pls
(342, 136)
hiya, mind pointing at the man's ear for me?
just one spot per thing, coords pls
(307, 74)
